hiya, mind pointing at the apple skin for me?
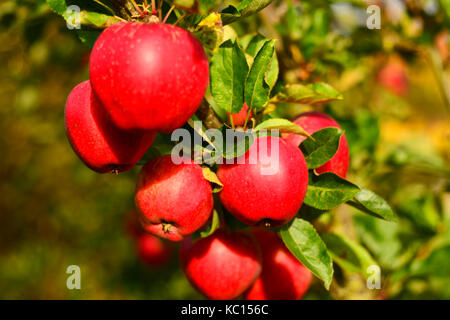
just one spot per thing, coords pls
(240, 117)
(95, 139)
(393, 76)
(283, 277)
(315, 121)
(152, 250)
(223, 265)
(149, 76)
(255, 198)
(173, 200)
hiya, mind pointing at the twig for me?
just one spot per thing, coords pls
(168, 13)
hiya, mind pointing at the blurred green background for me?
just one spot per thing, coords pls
(55, 212)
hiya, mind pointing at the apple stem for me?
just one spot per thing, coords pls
(168, 13)
(180, 19)
(160, 3)
(137, 8)
(153, 7)
(249, 111)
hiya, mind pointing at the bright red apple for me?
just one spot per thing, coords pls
(173, 200)
(95, 139)
(269, 186)
(149, 76)
(240, 117)
(283, 277)
(223, 265)
(315, 121)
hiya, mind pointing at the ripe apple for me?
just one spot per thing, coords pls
(393, 77)
(315, 121)
(95, 139)
(283, 277)
(223, 265)
(270, 190)
(240, 117)
(173, 200)
(152, 250)
(149, 76)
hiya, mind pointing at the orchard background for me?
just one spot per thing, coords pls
(395, 105)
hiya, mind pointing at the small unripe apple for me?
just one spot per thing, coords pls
(240, 117)
(222, 265)
(152, 250)
(149, 76)
(315, 121)
(283, 277)
(95, 139)
(266, 189)
(173, 200)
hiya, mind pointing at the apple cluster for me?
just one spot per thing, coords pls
(148, 78)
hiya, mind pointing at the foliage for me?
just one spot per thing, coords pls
(280, 58)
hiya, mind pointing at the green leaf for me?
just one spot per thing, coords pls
(371, 203)
(210, 176)
(350, 255)
(97, 20)
(87, 18)
(283, 125)
(305, 244)
(228, 72)
(215, 224)
(324, 146)
(272, 73)
(244, 9)
(254, 46)
(328, 190)
(257, 90)
(59, 6)
(310, 94)
(256, 43)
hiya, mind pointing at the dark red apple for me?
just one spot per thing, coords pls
(269, 190)
(173, 200)
(95, 139)
(149, 76)
(315, 121)
(240, 117)
(283, 277)
(152, 250)
(223, 265)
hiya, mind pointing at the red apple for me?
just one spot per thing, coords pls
(223, 265)
(283, 277)
(95, 139)
(149, 76)
(315, 121)
(173, 200)
(152, 250)
(270, 190)
(393, 77)
(240, 117)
